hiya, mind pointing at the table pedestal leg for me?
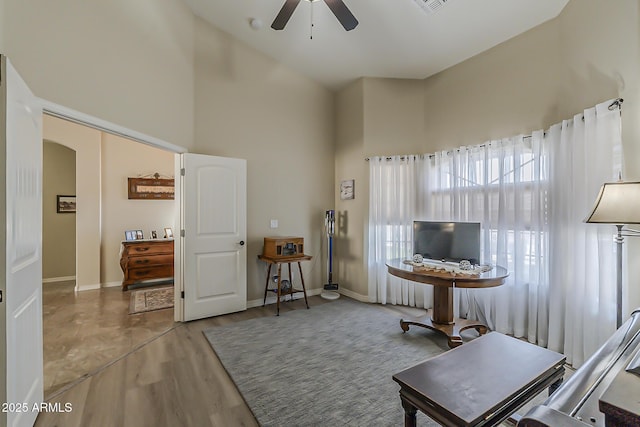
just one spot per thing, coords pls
(442, 305)
(441, 319)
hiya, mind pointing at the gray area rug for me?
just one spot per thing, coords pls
(330, 365)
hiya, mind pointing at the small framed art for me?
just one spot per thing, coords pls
(65, 204)
(347, 189)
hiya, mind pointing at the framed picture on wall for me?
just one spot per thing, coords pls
(65, 204)
(151, 188)
(347, 189)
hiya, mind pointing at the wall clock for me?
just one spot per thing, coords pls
(346, 189)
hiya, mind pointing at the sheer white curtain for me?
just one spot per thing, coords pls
(531, 195)
(585, 152)
(396, 190)
(503, 185)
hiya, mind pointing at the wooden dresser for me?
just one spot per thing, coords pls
(143, 260)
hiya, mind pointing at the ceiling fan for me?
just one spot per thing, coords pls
(339, 9)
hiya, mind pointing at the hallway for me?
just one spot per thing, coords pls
(85, 331)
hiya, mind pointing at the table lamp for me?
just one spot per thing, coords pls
(618, 203)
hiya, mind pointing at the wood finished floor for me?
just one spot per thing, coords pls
(155, 373)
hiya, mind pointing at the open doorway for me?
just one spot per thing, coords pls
(86, 320)
(58, 213)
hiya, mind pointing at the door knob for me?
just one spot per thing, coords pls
(241, 242)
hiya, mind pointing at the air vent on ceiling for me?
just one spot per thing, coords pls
(431, 6)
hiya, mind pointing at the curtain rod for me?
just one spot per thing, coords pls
(616, 103)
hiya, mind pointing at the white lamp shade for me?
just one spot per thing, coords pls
(617, 203)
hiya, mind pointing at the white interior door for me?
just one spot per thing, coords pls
(22, 209)
(214, 256)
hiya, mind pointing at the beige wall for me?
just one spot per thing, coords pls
(588, 54)
(2, 25)
(351, 215)
(249, 106)
(58, 229)
(122, 159)
(130, 63)
(86, 143)
(394, 116)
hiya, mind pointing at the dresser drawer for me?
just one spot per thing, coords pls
(150, 248)
(142, 261)
(157, 272)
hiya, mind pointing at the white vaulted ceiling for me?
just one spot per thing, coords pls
(395, 38)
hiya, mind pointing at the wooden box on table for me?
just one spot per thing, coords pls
(283, 247)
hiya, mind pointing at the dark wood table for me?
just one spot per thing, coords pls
(480, 383)
(620, 403)
(278, 289)
(441, 318)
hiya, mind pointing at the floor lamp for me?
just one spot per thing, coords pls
(618, 203)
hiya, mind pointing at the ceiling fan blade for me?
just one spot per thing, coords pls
(344, 15)
(284, 14)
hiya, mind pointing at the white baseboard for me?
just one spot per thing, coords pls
(354, 295)
(272, 299)
(88, 287)
(58, 279)
(111, 284)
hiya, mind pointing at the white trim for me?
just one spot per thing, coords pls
(88, 287)
(74, 116)
(112, 284)
(272, 299)
(58, 279)
(310, 292)
(355, 296)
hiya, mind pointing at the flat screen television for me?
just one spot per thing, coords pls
(447, 241)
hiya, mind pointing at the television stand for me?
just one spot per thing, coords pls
(441, 318)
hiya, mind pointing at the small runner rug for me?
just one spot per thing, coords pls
(143, 300)
(330, 365)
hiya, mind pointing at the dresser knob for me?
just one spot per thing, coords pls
(241, 242)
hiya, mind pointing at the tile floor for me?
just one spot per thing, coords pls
(85, 331)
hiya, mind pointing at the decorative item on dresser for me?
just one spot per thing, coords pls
(143, 260)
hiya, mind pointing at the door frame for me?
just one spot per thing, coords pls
(62, 112)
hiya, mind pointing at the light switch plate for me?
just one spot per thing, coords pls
(274, 223)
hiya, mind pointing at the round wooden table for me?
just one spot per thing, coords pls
(440, 318)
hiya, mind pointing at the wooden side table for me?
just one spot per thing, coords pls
(278, 290)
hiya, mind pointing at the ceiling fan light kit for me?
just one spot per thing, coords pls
(339, 9)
